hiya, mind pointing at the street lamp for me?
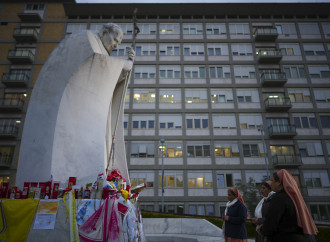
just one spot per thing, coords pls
(261, 129)
(162, 141)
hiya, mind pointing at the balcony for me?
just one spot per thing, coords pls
(9, 131)
(278, 104)
(26, 35)
(18, 80)
(29, 17)
(269, 56)
(5, 160)
(286, 160)
(21, 56)
(282, 131)
(273, 79)
(11, 104)
(265, 34)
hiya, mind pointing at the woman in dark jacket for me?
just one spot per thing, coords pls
(234, 218)
(288, 218)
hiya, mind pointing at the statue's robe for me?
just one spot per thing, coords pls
(72, 114)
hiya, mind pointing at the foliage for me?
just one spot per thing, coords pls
(251, 195)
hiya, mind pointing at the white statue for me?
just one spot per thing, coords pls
(75, 109)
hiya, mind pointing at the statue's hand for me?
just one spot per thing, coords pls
(131, 54)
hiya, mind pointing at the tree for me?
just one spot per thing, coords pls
(251, 195)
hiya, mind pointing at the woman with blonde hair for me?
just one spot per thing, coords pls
(288, 218)
(234, 218)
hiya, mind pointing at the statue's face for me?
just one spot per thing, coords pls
(111, 40)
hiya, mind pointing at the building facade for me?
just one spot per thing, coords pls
(220, 94)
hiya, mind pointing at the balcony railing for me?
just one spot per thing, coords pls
(11, 79)
(269, 56)
(29, 16)
(20, 56)
(11, 104)
(26, 34)
(278, 104)
(286, 160)
(8, 130)
(281, 131)
(266, 34)
(5, 160)
(273, 79)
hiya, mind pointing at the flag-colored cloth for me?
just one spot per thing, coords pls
(304, 218)
(18, 215)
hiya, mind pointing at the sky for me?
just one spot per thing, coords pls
(202, 1)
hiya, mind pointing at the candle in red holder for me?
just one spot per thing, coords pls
(55, 190)
(72, 182)
(18, 195)
(13, 191)
(48, 188)
(34, 184)
(87, 193)
(4, 189)
(106, 192)
(26, 188)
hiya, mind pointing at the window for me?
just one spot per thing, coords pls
(121, 50)
(216, 29)
(144, 72)
(172, 179)
(142, 149)
(308, 28)
(217, 49)
(222, 95)
(277, 125)
(304, 121)
(147, 207)
(224, 121)
(282, 154)
(139, 177)
(35, 6)
(198, 149)
(219, 71)
(95, 27)
(314, 49)
(197, 121)
(289, 49)
(244, 72)
(239, 29)
(194, 72)
(145, 50)
(19, 74)
(325, 121)
(3, 179)
(310, 148)
(322, 95)
(14, 99)
(286, 28)
(193, 29)
(75, 28)
(196, 96)
(143, 121)
(257, 177)
(320, 212)
(169, 72)
(126, 28)
(294, 71)
(247, 95)
(170, 121)
(316, 179)
(6, 155)
(172, 208)
(319, 71)
(299, 95)
(193, 49)
(169, 49)
(241, 49)
(169, 29)
(9, 126)
(228, 178)
(144, 96)
(125, 121)
(200, 179)
(271, 74)
(148, 29)
(173, 149)
(225, 149)
(250, 121)
(326, 29)
(201, 209)
(251, 150)
(169, 95)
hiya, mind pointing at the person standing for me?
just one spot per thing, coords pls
(262, 208)
(288, 218)
(234, 218)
